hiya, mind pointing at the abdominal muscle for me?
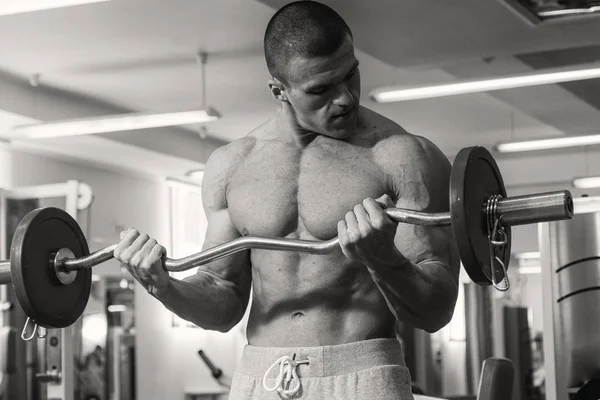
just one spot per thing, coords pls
(310, 300)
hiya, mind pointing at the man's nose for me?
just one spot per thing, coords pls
(344, 98)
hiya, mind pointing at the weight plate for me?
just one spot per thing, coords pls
(44, 299)
(474, 179)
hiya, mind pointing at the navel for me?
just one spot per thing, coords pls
(297, 316)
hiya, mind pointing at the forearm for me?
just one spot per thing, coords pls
(204, 299)
(423, 295)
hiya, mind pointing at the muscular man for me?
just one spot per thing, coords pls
(320, 326)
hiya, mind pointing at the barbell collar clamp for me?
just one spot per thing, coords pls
(63, 276)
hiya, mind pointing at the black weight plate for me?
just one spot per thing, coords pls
(474, 179)
(44, 299)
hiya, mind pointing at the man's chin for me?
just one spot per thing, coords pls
(342, 130)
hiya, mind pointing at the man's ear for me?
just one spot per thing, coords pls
(277, 89)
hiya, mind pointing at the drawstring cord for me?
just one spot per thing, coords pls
(287, 373)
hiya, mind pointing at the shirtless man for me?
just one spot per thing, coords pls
(320, 326)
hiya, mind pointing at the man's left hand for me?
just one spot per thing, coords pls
(367, 233)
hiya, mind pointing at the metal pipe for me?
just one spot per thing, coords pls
(536, 208)
(95, 258)
(513, 210)
(5, 278)
(245, 243)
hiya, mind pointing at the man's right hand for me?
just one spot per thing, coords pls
(144, 259)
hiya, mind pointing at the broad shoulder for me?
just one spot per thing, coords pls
(416, 171)
(219, 168)
(229, 155)
(396, 146)
(391, 143)
(235, 152)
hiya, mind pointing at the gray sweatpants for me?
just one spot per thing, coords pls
(367, 370)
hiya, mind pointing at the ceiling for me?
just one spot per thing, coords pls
(140, 55)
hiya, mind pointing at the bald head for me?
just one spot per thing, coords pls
(302, 29)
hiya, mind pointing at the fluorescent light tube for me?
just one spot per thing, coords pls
(8, 7)
(393, 94)
(530, 270)
(528, 255)
(112, 123)
(573, 11)
(528, 262)
(547, 143)
(587, 182)
(117, 308)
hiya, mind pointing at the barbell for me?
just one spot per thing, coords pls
(50, 263)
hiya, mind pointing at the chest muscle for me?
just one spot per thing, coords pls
(285, 192)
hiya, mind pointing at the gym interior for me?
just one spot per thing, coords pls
(110, 110)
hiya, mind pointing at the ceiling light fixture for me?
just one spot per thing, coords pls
(587, 182)
(527, 255)
(114, 308)
(567, 11)
(530, 270)
(119, 122)
(528, 262)
(114, 123)
(547, 143)
(544, 77)
(9, 7)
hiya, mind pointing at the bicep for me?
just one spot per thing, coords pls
(235, 268)
(428, 245)
(425, 188)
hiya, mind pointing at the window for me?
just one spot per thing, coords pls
(188, 228)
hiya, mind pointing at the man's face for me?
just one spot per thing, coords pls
(325, 91)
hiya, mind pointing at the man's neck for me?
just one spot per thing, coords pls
(288, 128)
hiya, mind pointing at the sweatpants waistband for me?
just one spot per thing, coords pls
(325, 360)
